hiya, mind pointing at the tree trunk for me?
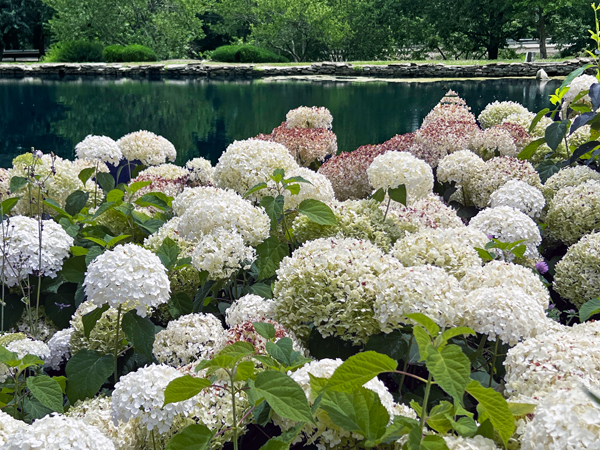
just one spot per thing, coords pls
(1, 48)
(38, 38)
(493, 51)
(541, 28)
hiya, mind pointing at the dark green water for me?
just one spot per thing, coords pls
(202, 117)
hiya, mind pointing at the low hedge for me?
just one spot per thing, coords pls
(75, 51)
(245, 54)
(138, 53)
(113, 53)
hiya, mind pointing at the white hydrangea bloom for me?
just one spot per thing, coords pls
(249, 308)
(472, 443)
(141, 394)
(96, 412)
(428, 212)
(128, 274)
(9, 426)
(319, 188)
(525, 119)
(567, 419)
(206, 209)
(244, 164)
(326, 434)
(500, 274)
(166, 171)
(421, 289)
(60, 348)
(494, 113)
(190, 338)
(99, 148)
(309, 117)
(569, 176)
(468, 236)
(458, 166)
(509, 314)
(487, 142)
(146, 147)
(509, 225)
(553, 360)
(57, 432)
(574, 212)
(29, 346)
(331, 283)
(20, 255)
(519, 195)
(201, 171)
(392, 169)
(578, 84)
(222, 253)
(169, 230)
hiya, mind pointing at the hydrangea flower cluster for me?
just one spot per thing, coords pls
(222, 253)
(565, 419)
(436, 247)
(579, 84)
(127, 275)
(29, 346)
(553, 360)
(574, 212)
(422, 289)
(506, 313)
(244, 164)
(201, 172)
(99, 148)
(509, 225)
(304, 144)
(493, 142)
(167, 171)
(141, 394)
(60, 348)
(320, 188)
(525, 119)
(469, 443)
(331, 283)
(245, 332)
(309, 117)
(60, 433)
(577, 276)
(190, 338)
(9, 426)
(450, 107)
(147, 147)
(521, 196)
(249, 308)
(458, 167)
(519, 133)
(392, 169)
(494, 113)
(20, 255)
(428, 212)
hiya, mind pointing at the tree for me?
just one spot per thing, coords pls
(21, 24)
(166, 26)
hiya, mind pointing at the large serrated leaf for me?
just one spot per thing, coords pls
(358, 370)
(531, 148)
(76, 201)
(90, 319)
(270, 253)
(450, 368)
(555, 133)
(47, 391)
(273, 207)
(588, 309)
(17, 183)
(184, 388)
(537, 118)
(432, 328)
(193, 437)
(168, 252)
(284, 395)
(140, 332)
(86, 372)
(317, 212)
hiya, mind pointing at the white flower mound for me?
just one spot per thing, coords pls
(509, 225)
(392, 169)
(309, 117)
(20, 255)
(494, 113)
(472, 443)
(553, 360)
(99, 148)
(58, 432)
(204, 210)
(141, 394)
(246, 163)
(519, 195)
(459, 166)
(421, 289)
(190, 338)
(505, 313)
(60, 348)
(564, 420)
(8, 426)
(29, 346)
(222, 253)
(147, 147)
(202, 172)
(128, 274)
(166, 171)
(249, 308)
(500, 274)
(487, 142)
(580, 83)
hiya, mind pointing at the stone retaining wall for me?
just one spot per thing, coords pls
(200, 70)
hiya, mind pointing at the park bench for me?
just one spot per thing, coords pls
(21, 54)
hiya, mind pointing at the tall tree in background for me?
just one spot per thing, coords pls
(166, 26)
(22, 24)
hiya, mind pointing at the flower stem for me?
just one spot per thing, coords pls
(116, 352)
(406, 363)
(388, 208)
(425, 400)
(493, 365)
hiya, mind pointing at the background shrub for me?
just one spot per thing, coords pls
(113, 53)
(245, 54)
(138, 53)
(75, 51)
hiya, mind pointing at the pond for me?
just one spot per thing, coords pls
(201, 117)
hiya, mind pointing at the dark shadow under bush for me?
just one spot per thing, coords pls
(245, 54)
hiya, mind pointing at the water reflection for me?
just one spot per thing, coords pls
(201, 117)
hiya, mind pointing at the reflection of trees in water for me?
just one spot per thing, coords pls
(202, 117)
